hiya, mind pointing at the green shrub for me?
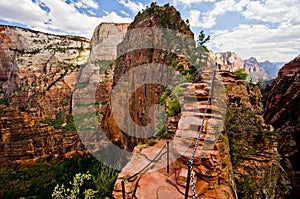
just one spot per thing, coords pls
(4, 101)
(240, 74)
(77, 189)
(39, 180)
(173, 106)
(105, 181)
(62, 121)
(151, 142)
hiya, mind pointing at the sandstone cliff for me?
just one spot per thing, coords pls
(282, 110)
(38, 74)
(137, 49)
(230, 61)
(105, 39)
(38, 70)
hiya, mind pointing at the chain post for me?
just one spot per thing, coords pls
(187, 187)
(168, 158)
(123, 188)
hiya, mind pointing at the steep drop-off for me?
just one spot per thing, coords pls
(282, 110)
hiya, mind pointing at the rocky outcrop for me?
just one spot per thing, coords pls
(241, 161)
(252, 65)
(38, 75)
(253, 144)
(39, 70)
(282, 111)
(26, 140)
(211, 177)
(134, 52)
(229, 61)
(105, 39)
(270, 68)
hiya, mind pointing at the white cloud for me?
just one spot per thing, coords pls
(135, 7)
(266, 42)
(273, 10)
(87, 4)
(124, 13)
(62, 18)
(189, 2)
(195, 18)
(261, 41)
(24, 12)
(208, 19)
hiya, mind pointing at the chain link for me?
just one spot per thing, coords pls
(190, 162)
(193, 184)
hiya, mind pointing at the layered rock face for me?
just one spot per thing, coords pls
(229, 61)
(252, 65)
(282, 110)
(38, 75)
(132, 53)
(23, 140)
(105, 39)
(39, 70)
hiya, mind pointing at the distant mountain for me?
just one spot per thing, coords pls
(271, 68)
(252, 65)
(256, 70)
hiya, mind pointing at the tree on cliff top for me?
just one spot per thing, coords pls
(202, 39)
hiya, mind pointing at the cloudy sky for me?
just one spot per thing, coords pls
(265, 29)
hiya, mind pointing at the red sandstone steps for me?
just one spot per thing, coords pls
(159, 184)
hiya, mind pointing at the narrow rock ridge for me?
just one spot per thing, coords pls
(143, 30)
(229, 163)
(211, 178)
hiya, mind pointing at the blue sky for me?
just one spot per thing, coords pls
(265, 29)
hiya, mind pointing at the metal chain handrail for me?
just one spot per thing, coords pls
(190, 176)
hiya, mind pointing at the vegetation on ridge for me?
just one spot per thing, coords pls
(240, 74)
(39, 180)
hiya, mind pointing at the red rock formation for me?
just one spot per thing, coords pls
(282, 110)
(37, 77)
(25, 140)
(146, 96)
(252, 65)
(232, 165)
(38, 70)
(229, 61)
